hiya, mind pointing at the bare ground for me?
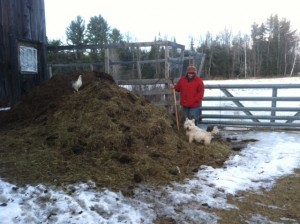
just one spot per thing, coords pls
(280, 205)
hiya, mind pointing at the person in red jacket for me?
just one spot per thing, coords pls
(191, 89)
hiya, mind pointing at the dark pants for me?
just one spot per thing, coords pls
(192, 113)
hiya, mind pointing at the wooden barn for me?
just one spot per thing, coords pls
(22, 48)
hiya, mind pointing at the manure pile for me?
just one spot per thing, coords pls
(104, 133)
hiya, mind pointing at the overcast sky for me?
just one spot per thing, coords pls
(144, 20)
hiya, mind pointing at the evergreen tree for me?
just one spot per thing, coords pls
(273, 44)
(76, 32)
(76, 35)
(115, 37)
(259, 48)
(97, 34)
(288, 38)
(54, 57)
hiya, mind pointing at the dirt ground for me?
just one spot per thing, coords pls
(280, 205)
(117, 139)
(104, 133)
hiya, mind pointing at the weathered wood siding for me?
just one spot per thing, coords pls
(22, 26)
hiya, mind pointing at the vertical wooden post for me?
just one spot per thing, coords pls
(106, 63)
(50, 71)
(176, 109)
(138, 64)
(182, 59)
(166, 64)
(167, 70)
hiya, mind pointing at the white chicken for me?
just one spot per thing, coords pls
(77, 84)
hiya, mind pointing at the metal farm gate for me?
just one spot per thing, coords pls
(275, 110)
(229, 108)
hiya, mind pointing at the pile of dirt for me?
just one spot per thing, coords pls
(104, 133)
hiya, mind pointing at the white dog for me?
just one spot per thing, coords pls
(198, 134)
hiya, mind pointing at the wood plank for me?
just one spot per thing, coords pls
(123, 45)
(145, 81)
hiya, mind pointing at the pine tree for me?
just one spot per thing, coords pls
(76, 35)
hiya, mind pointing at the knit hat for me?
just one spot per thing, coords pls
(191, 69)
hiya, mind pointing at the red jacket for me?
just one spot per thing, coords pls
(191, 91)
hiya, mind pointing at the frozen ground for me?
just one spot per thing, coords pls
(259, 166)
(274, 155)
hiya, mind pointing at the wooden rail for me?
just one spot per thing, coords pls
(229, 109)
(225, 109)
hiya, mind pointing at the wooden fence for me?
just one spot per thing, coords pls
(229, 108)
(226, 109)
(171, 60)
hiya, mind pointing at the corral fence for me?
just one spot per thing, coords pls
(261, 105)
(82, 66)
(240, 105)
(164, 59)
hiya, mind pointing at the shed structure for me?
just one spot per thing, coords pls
(22, 48)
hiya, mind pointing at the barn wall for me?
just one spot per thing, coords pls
(22, 26)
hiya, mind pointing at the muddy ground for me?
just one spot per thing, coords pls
(281, 204)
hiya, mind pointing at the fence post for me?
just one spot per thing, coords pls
(106, 64)
(274, 103)
(50, 71)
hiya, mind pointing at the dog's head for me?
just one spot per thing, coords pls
(189, 124)
(215, 130)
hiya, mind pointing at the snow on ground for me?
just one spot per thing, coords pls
(276, 154)
(258, 166)
(286, 80)
(4, 108)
